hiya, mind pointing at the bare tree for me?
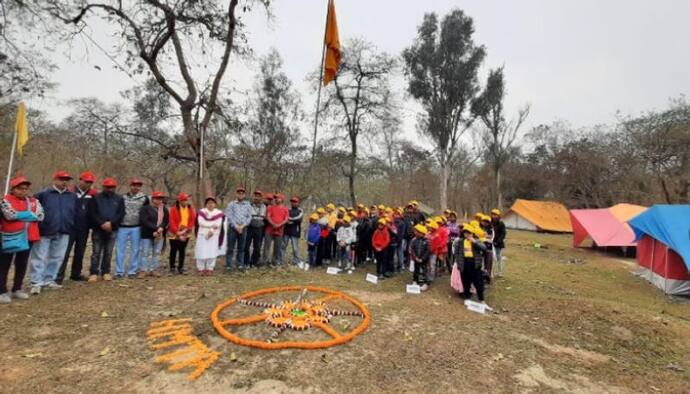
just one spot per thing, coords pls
(155, 32)
(358, 96)
(498, 135)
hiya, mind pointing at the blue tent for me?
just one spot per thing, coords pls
(669, 224)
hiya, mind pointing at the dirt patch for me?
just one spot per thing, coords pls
(534, 379)
(585, 356)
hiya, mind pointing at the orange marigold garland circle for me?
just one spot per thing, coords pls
(297, 315)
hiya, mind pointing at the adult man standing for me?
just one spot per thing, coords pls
(239, 215)
(130, 230)
(80, 234)
(60, 207)
(499, 239)
(293, 229)
(276, 216)
(106, 211)
(255, 231)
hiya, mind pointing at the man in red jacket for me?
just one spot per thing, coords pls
(276, 216)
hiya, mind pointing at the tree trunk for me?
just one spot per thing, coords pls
(443, 189)
(351, 176)
(499, 194)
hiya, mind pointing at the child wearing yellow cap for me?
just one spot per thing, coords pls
(313, 237)
(468, 256)
(485, 224)
(346, 238)
(419, 256)
(499, 229)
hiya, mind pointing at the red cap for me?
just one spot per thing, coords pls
(258, 193)
(294, 199)
(87, 176)
(157, 195)
(269, 196)
(182, 196)
(20, 180)
(136, 181)
(280, 196)
(62, 175)
(240, 189)
(109, 182)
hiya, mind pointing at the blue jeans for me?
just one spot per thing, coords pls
(46, 258)
(150, 254)
(312, 255)
(125, 234)
(235, 239)
(294, 242)
(401, 254)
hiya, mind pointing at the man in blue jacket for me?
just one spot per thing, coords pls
(60, 207)
(80, 235)
(106, 212)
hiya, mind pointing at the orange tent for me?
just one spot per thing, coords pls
(625, 212)
(538, 216)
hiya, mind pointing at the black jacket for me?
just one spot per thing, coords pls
(499, 234)
(148, 217)
(106, 208)
(478, 249)
(419, 249)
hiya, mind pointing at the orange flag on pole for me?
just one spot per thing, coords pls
(332, 42)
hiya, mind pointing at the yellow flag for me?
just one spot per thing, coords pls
(332, 41)
(22, 129)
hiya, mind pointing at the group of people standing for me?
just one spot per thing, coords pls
(46, 229)
(404, 238)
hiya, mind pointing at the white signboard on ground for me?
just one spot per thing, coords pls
(333, 270)
(372, 278)
(414, 289)
(476, 306)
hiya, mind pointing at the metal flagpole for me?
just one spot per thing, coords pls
(318, 94)
(9, 169)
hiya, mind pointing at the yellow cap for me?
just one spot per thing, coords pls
(420, 228)
(433, 225)
(330, 206)
(342, 209)
(413, 202)
(321, 211)
(347, 219)
(478, 215)
(360, 206)
(474, 223)
(314, 216)
(496, 211)
(447, 212)
(381, 207)
(382, 221)
(389, 210)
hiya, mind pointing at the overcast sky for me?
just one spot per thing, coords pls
(579, 61)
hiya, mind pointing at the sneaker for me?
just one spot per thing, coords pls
(107, 277)
(424, 287)
(306, 267)
(349, 272)
(93, 278)
(35, 290)
(52, 286)
(20, 295)
(300, 265)
(5, 298)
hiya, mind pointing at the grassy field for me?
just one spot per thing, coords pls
(567, 321)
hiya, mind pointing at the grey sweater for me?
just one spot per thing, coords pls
(133, 204)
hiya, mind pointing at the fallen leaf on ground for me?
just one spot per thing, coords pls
(32, 355)
(233, 357)
(104, 314)
(104, 351)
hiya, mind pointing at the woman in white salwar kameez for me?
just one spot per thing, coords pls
(210, 239)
